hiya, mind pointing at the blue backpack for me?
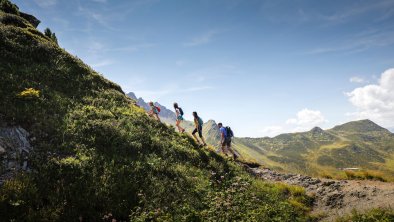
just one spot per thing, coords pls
(200, 122)
(229, 132)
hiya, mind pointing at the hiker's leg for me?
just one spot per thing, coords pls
(223, 146)
(180, 127)
(200, 135)
(177, 125)
(158, 118)
(231, 149)
(178, 122)
(203, 140)
(194, 135)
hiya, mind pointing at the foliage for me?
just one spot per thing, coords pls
(8, 7)
(96, 155)
(48, 33)
(364, 175)
(375, 215)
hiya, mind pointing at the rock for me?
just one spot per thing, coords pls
(334, 200)
(328, 183)
(14, 149)
(2, 150)
(33, 20)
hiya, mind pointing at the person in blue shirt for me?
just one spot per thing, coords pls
(225, 141)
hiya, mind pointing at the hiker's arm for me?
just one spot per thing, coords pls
(221, 137)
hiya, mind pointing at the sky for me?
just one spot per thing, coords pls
(261, 67)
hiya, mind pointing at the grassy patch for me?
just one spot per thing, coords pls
(375, 215)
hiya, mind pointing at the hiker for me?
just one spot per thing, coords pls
(154, 111)
(198, 123)
(225, 139)
(179, 117)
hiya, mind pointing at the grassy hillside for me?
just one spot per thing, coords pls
(359, 144)
(98, 157)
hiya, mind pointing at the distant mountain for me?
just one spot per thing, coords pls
(357, 144)
(167, 115)
(361, 144)
(360, 126)
(210, 128)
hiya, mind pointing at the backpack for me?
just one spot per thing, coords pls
(158, 109)
(200, 122)
(229, 132)
(180, 111)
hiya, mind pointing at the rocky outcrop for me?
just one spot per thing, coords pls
(31, 19)
(335, 198)
(14, 151)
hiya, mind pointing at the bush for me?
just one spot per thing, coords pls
(7, 7)
(383, 215)
(364, 175)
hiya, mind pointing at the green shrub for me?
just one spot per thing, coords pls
(8, 7)
(382, 215)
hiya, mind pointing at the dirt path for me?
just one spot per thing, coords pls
(336, 197)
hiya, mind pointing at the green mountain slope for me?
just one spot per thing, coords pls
(98, 157)
(359, 144)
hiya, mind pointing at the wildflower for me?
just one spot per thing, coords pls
(29, 93)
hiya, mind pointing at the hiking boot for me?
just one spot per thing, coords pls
(235, 156)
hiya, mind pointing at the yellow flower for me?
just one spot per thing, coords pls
(29, 93)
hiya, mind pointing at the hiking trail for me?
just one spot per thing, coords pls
(334, 198)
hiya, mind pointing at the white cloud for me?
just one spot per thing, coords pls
(45, 3)
(202, 39)
(356, 79)
(307, 119)
(375, 101)
(272, 130)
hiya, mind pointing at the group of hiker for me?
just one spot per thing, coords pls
(225, 132)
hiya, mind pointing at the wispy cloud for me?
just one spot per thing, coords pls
(45, 3)
(109, 15)
(133, 48)
(96, 47)
(358, 43)
(360, 9)
(156, 94)
(203, 38)
(102, 63)
(356, 79)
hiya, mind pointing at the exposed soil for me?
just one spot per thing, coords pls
(335, 198)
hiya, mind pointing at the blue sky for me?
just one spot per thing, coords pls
(262, 67)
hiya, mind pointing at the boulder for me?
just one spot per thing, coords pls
(14, 149)
(33, 20)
